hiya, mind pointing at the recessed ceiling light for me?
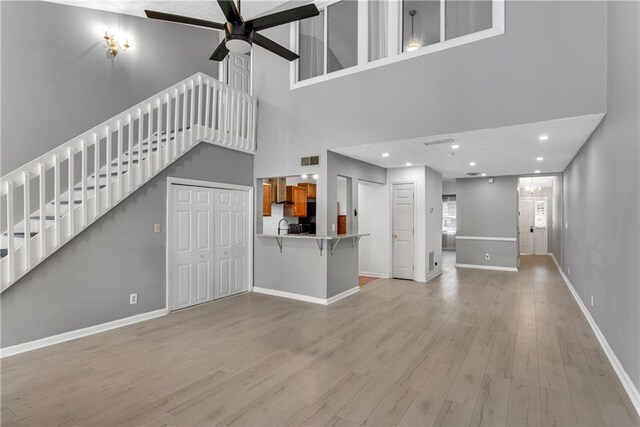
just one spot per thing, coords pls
(472, 164)
(408, 163)
(544, 137)
(385, 154)
(455, 146)
(315, 176)
(537, 171)
(305, 176)
(484, 174)
(540, 158)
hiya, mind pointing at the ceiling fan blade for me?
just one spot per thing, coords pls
(230, 11)
(274, 47)
(183, 20)
(220, 53)
(284, 17)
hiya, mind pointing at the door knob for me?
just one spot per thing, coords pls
(532, 229)
(395, 236)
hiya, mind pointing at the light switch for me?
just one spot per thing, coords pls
(156, 228)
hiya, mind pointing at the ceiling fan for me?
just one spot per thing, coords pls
(240, 35)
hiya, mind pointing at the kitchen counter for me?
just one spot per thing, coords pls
(333, 240)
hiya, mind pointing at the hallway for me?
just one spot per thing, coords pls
(471, 347)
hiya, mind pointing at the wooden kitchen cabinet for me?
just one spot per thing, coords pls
(311, 189)
(266, 199)
(297, 196)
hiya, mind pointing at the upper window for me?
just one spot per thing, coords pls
(354, 35)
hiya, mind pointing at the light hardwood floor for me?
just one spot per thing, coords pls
(472, 347)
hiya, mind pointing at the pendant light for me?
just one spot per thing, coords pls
(413, 43)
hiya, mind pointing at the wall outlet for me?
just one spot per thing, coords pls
(156, 228)
(333, 227)
(487, 257)
(591, 300)
(133, 298)
(566, 225)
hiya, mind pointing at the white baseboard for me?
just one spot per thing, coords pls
(486, 267)
(434, 275)
(629, 386)
(306, 298)
(369, 274)
(79, 333)
(343, 295)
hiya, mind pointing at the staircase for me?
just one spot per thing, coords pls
(67, 189)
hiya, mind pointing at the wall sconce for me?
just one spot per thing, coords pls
(113, 45)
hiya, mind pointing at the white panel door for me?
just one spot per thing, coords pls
(403, 235)
(231, 244)
(525, 225)
(239, 71)
(191, 271)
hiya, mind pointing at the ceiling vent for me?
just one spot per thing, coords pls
(473, 173)
(440, 142)
(310, 161)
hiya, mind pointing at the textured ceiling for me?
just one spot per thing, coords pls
(502, 151)
(203, 9)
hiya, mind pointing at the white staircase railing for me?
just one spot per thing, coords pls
(48, 201)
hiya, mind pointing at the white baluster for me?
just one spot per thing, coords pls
(108, 169)
(27, 220)
(140, 148)
(71, 193)
(176, 124)
(158, 156)
(214, 109)
(183, 145)
(238, 112)
(199, 107)
(43, 211)
(243, 123)
(192, 112)
(119, 150)
(130, 155)
(83, 178)
(207, 110)
(10, 236)
(167, 146)
(56, 200)
(149, 161)
(96, 175)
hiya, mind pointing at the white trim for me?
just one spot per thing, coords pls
(627, 383)
(486, 267)
(342, 295)
(79, 333)
(434, 275)
(497, 28)
(306, 298)
(370, 274)
(208, 184)
(489, 239)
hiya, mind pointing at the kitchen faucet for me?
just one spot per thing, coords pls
(279, 222)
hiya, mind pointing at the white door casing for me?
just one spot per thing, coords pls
(525, 225)
(403, 231)
(192, 249)
(232, 247)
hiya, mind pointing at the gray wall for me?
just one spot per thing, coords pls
(556, 47)
(89, 280)
(602, 242)
(555, 245)
(487, 210)
(58, 81)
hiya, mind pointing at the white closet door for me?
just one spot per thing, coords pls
(231, 244)
(192, 257)
(403, 235)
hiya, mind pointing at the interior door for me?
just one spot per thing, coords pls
(525, 225)
(403, 235)
(192, 248)
(239, 71)
(232, 246)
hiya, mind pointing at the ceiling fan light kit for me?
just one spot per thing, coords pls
(241, 35)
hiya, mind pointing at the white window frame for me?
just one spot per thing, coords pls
(395, 53)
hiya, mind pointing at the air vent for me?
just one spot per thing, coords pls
(473, 173)
(310, 161)
(440, 141)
